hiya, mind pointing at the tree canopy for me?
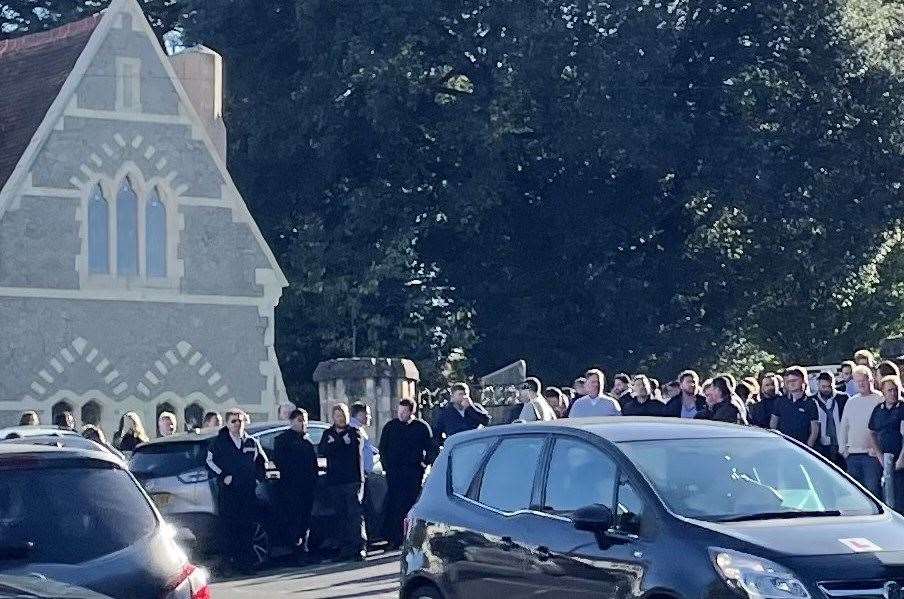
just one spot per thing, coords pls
(630, 184)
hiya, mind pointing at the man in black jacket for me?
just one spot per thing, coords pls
(342, 445)
(689, 402)
(760, 413)
(830, 408)
(406, 448)
(238, 462)
(459, 415)
(296, 459)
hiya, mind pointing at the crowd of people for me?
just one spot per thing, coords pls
(855, 418)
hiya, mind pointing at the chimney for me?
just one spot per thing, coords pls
(200, 70)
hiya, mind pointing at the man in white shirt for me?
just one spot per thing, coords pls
(595, 404)
(534, 407)
(854, 439)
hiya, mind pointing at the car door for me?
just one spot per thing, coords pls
(564, 562)
(491, 561)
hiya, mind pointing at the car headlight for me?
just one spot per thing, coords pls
(758, 577)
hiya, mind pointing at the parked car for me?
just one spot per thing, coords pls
(174, 472)
(80, 519)
(639, 507)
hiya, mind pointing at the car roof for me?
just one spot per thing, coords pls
(206, 435)
(620, 429)
(35, 431)
(14, 451)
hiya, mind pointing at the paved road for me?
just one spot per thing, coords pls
(376, 578)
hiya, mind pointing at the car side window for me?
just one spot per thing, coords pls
(630, 508)
(464, 461)
(579, 475)
(508, 478)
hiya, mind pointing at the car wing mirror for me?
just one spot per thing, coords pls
(594, 518)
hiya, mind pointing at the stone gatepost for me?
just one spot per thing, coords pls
(377, 382)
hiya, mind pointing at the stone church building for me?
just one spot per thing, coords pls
(132, 276)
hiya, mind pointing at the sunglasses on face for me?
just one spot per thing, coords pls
(235, 421)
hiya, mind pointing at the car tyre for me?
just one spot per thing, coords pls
(260, 545)
(427, 591)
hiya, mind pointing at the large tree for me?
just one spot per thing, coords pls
(21, 17)
(632, 184)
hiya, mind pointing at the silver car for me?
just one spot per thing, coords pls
(174, 472)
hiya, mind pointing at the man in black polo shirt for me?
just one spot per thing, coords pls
(642, 404)
(886, 426)
(621, 388)
(794, 414)
(760, 412)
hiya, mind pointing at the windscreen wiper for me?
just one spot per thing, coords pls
(785, 515)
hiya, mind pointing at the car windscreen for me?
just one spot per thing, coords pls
(156, 460)
(723, 479)
(69, 513)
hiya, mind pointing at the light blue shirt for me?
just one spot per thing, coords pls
(602, 405)
(851, 388)
(369, 450)
(690, 412)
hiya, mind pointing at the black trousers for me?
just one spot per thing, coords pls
(403, 489)
(831, 453)
(350, 535)
(237, 508)
(295, 506)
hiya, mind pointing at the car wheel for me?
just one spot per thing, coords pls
(260, 545)
(427, 591)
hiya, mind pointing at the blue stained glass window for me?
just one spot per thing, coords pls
(98, 233)
(126, 230)
(155, 235)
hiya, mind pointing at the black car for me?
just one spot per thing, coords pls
(75, 523)
(644, 507)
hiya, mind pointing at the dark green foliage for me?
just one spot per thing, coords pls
(21, 17)
(630, 184)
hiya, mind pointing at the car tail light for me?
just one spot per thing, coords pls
(191, 583)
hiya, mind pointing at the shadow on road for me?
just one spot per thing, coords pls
(300, 572)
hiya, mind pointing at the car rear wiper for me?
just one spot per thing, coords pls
(16, 551)
(786, 515)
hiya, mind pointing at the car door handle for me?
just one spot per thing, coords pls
(543, 553)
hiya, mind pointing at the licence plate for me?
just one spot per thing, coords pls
(161, 499)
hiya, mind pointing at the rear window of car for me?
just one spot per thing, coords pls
(464, 461)
(268, 439)
(69, 514)
(156, 460)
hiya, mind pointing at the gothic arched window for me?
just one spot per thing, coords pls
(155, 236)
(98, 233)
(126, 230)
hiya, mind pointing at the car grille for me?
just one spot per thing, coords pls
(857, 589)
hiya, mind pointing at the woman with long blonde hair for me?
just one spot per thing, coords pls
(131, 432)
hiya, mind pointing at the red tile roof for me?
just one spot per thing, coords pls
(33, 69)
